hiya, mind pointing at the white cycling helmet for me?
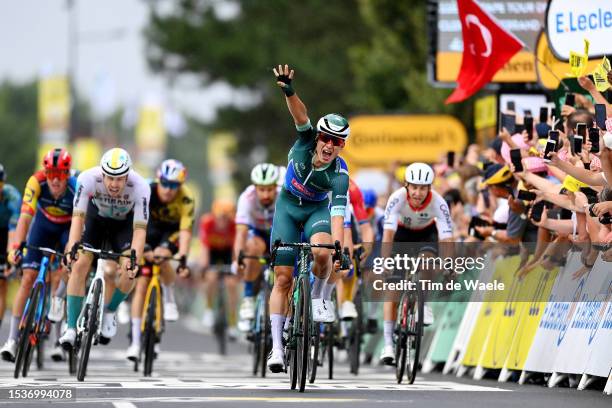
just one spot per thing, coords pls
(419, 173)
(334, 125)
(116, 162)
(264, 174)
(173, 171)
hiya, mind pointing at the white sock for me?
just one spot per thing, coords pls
(277, 321)
(61, 289)
(373, 313)
(136, 322)
(286, 325)
(328, 288)
(14, 329)
(317, 287)
(168, 291)
(388, 332)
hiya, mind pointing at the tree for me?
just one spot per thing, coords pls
(18, 131)
(313, 36)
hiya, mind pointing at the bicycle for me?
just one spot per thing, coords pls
(327, 339)
(34, 325)
(408, 333)
(356, 330)
(260, 326)
(301, 325)
(221, 322)
(89, 325)
(152, 323)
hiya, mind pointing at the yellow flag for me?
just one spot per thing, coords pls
(578, 62)
(600, 75)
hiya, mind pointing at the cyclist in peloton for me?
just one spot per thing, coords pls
(253, 224)
(10, 201)
(111, 206)
(314, 170)
(168, 233)
(414, 213)
(45, 212)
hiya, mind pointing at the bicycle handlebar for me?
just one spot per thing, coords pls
(262, 259)
(335, 246)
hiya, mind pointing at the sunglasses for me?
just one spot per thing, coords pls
(57, 174)
(336, 141)
(172, 185)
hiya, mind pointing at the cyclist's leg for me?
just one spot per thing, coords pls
(138, 297)
(3, 268)
(3, 287)
(285, 228)
(166, 248)
(346, 286)
(255, 246)
(121, 242)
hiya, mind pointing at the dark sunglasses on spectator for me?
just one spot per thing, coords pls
(172, 185)
(336, 141)
(57, 174)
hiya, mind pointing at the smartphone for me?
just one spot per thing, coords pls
(553, 113)
(526, 195)
(515, 157)
(578, 144)
(570, 99)
(508, 122)
(550, 147)
(581, 129)
(600, 116)
(605, 219)
(450, 159)
(529, 126)
(544, 114)
(510, 106)
(537, 210)
(553, 135)
(559, 124)
(594, 139)
(591, 213)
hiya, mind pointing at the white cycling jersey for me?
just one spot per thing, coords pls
(400, 212)
(135, 197)
(250, 212)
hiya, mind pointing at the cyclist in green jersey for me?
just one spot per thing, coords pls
(314, 171)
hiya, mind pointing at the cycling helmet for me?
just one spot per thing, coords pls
(264, 174)
(2, 173)
(116, 162)
(334, 125)
(57, 159)
(173, 171)
(419, 173)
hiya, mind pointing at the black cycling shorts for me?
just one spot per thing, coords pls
(422, 240)
(160, 235)
(117, 234)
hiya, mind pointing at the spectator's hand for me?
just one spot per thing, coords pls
(554, 159)
(484, 231)
(516, 206)
(585, 154)
(567, 110)
(602, 208)
(505, 135)
(586, 84)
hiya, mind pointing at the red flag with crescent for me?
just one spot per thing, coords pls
(487, 47)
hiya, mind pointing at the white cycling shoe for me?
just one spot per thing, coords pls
(171, 313)
(387, 356)
(8, 350)
(276, 361)
(109, 326)
(56, 310)
(123, 313)
(67, 339)
(323, 311)
(348, 311)
(133, 352)
(247, 309)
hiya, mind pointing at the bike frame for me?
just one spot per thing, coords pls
(41, 280)
(99, 276)
(154, 285)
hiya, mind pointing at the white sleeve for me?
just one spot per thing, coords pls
(243, 215)
(443, 217)
(142, 195)
(394, 205)
(86, 184)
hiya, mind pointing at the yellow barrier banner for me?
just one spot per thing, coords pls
(86, 153)
(53, 103)
(486, 328)
(538, 286)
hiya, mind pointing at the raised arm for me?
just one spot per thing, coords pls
(284, 76)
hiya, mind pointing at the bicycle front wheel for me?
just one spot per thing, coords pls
(401, 329)
(303, 340)
(24, 347)
(414, 334)
(91, 327)
(148, 338)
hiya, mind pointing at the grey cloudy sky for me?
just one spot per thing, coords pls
(34, 38)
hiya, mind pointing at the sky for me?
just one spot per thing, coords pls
(111, 64)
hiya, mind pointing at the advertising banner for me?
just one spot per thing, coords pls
(570, 22)
(54, 109)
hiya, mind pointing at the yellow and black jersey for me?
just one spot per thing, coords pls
(175, 215)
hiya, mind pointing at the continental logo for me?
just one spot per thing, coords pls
(145, 208)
